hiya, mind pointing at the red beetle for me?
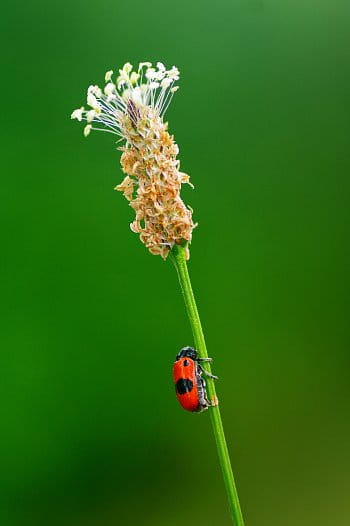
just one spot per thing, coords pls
(189, 383)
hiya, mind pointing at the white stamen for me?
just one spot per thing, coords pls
(165, 83)
(148, 87)
(87, 130)
(145, 64)
(134, 77)
(90, 115)
(151, 73)
(92, 101)
(108, 75)
(127, 68)
(174, 73)
(94, 90)
(109, 88)
(78, 114)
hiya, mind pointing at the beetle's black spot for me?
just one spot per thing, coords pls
(183, 385)
(186, 363)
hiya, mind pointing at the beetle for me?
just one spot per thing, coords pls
(189, 383)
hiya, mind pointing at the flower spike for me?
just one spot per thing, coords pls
(132, 107)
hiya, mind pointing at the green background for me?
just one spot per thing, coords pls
(91, 433)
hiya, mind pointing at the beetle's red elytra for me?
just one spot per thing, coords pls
(190, 385)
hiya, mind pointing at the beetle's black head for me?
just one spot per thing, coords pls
(189, 352)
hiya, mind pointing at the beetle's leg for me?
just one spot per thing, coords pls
(204, 359)
(207, 373)
(214, 401)
(202, 395)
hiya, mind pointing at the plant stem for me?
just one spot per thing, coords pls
(178, 256)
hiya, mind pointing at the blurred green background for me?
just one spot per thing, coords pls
(91, 432)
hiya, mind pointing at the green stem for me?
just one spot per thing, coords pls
(178, 256)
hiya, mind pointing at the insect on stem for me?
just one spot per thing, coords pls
(178, 256)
